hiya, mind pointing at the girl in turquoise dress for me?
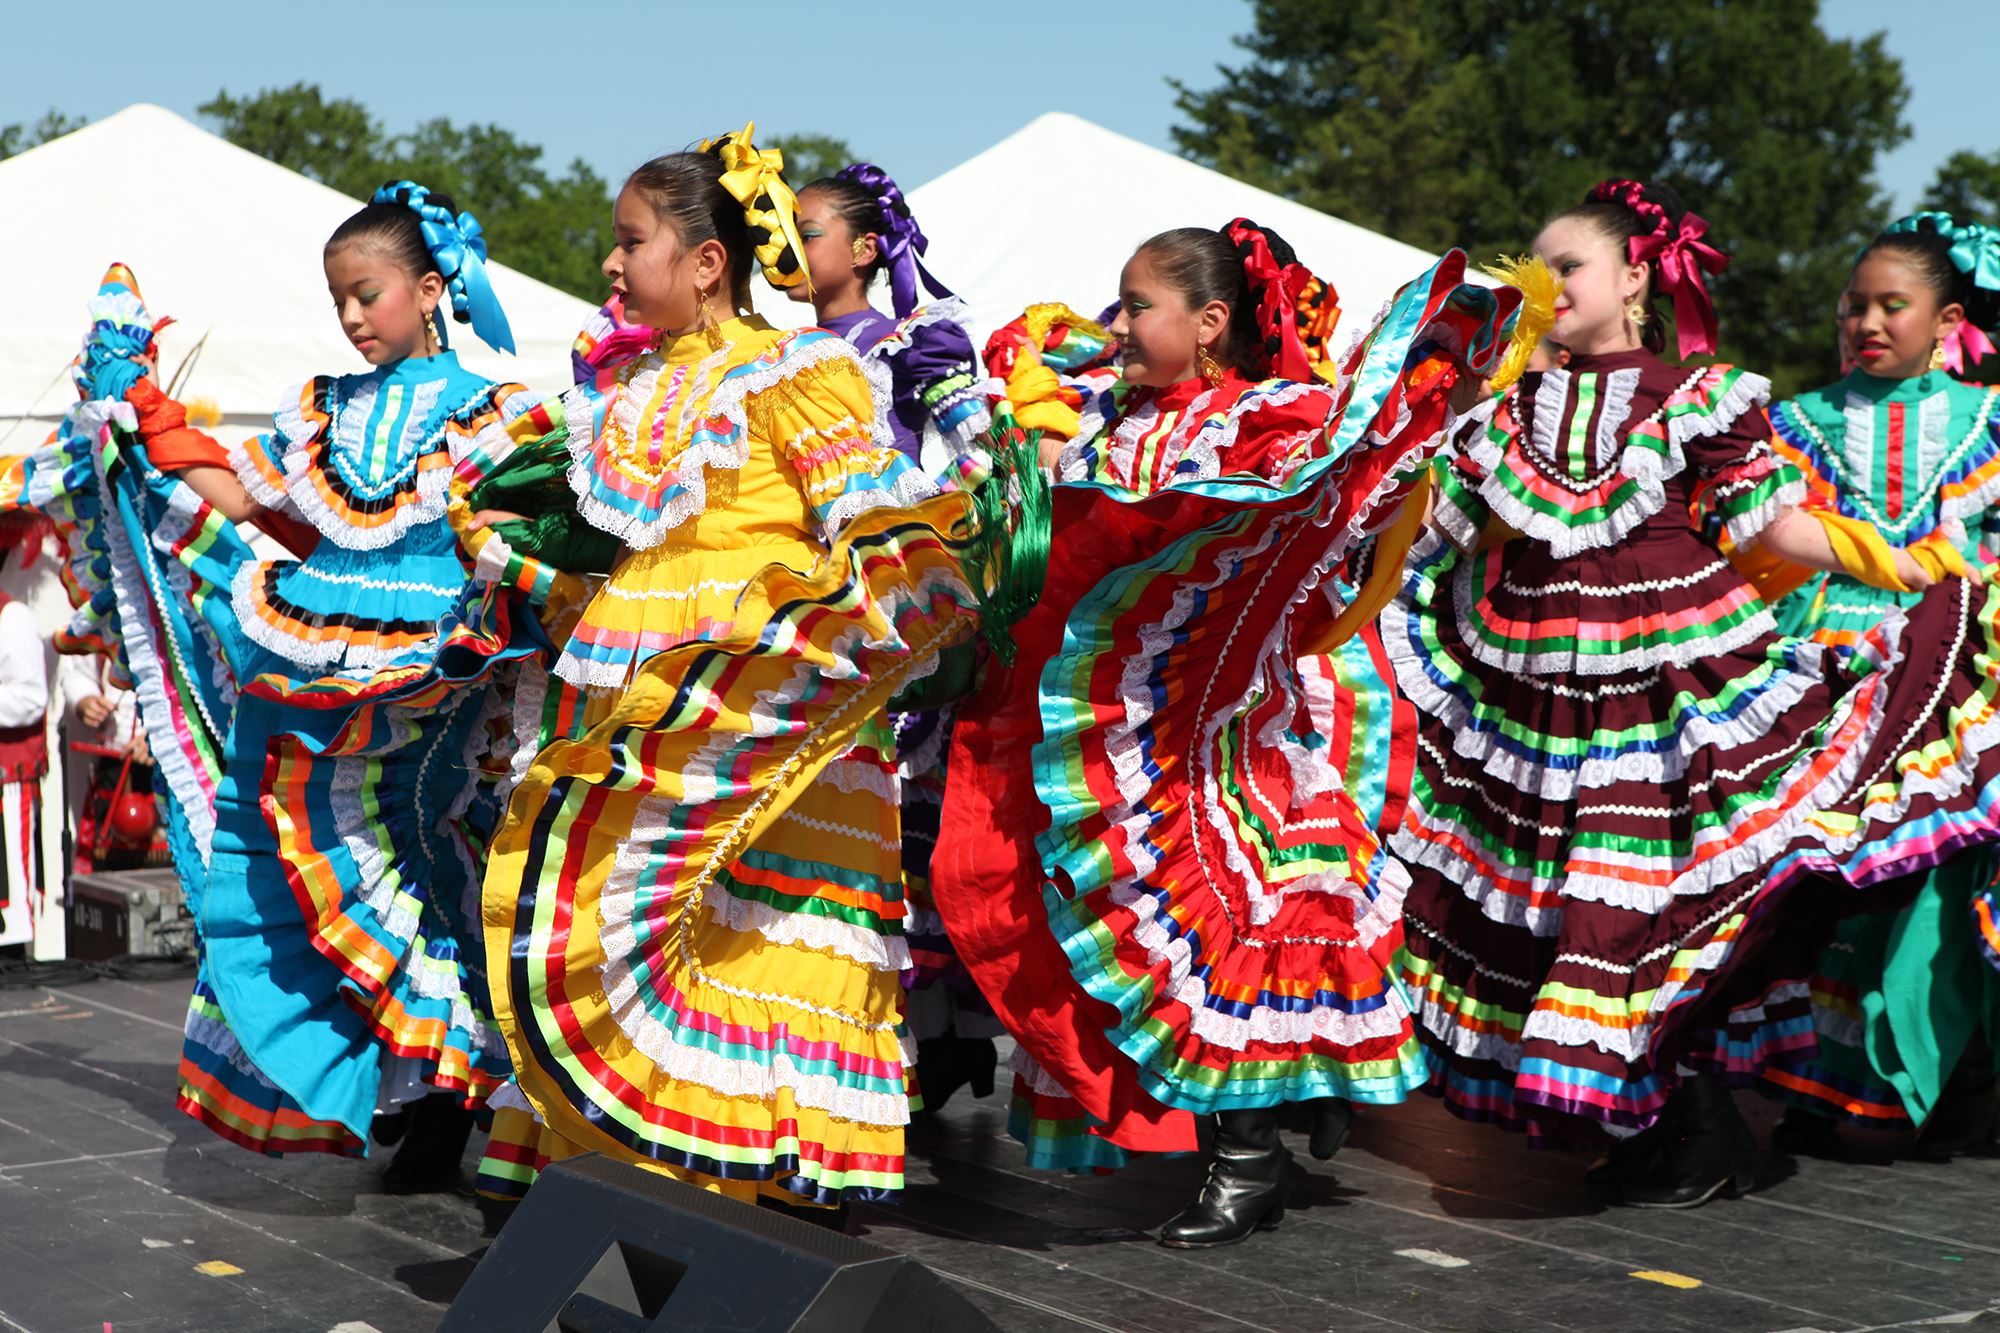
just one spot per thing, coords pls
(1901, 451)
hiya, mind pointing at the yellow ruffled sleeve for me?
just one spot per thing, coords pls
(822, 419)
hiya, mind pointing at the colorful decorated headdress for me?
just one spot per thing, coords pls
(1975, 252)
(1278, 283)
(119, 346)
(458, 248)
(755, 178)
(903, 242)
(1677, 252)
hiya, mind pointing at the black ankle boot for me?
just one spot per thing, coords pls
(428, 1161)
(1967, 1114)
(946, 1064)
(1332, 1117)
(389, 1127)
(1803, 1133)
(1712, 1151)
(1248, 1184)
(1631, 1157)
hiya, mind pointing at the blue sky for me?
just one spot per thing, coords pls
(903, 84)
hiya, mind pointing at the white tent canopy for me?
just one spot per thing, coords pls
(222, 240)
(1052, 213)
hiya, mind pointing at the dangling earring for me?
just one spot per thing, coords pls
(433, 343)
(1206, 362)
(1636, 315)
(709, 329)
(1937, 356)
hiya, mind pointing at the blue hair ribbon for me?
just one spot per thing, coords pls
(458, 248)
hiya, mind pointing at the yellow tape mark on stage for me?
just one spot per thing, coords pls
(218, 1268)
(1665, 1279)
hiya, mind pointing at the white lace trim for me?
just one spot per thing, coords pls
(331, 651)
(729, 401)
(136, 595)
(292, 437)
(1032, 1076)
(1639, 462)
(909, 487)
(1573, 662)
(760, 1079)
(807, 930)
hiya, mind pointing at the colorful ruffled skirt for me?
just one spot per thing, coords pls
(694, 909)
(1899, 996)
(1147, 857)
(1628, 871)
(339, 924)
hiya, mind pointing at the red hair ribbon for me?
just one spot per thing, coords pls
(1681, 257)
(1277, 288)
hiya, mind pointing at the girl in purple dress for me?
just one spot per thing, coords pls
(856, 225)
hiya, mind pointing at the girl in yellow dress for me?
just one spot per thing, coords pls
(694, 907)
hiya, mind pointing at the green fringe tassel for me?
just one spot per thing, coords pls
(1007, 560)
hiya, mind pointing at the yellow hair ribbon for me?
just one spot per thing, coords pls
(755, 179)
(1392, 550)
(1539, 289)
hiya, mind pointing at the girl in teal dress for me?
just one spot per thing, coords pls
(1905, 1004)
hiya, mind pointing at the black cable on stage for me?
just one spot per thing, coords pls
(24, 974)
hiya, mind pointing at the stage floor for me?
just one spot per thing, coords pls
(116, 1213)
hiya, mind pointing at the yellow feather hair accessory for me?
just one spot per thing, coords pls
(755, 178)
(1539, 289)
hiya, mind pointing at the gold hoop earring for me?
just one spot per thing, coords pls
(709, 329)
(1210, 369)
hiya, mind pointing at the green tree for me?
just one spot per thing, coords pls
(333, 141)
(1967, 186)
(53, 124)
(1455, 122)
(809, 157)
(553, 227)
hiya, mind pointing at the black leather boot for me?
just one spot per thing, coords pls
(1712, 1151)
(1967, 1114)
(428, 1161)
(1248, 1183)
(1332, 1117)
(1631, 1157)
(946, 1064)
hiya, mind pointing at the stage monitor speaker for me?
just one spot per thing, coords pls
(695, 1260)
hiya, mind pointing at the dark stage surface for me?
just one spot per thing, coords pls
(117, 1212)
